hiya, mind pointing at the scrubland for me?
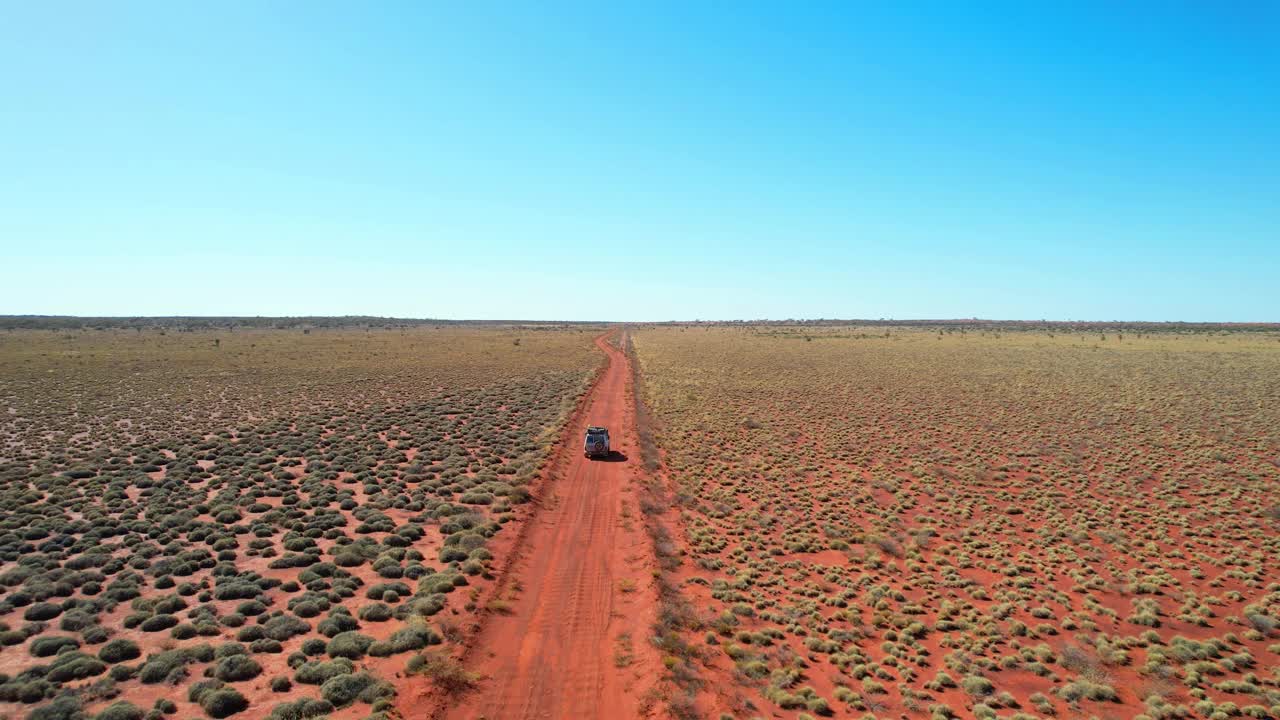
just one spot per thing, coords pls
(904, 522)
(268, 522)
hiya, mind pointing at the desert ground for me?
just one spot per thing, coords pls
(867, 521)
(269, 522)
(992, 522)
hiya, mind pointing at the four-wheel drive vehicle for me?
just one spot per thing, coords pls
(597, 442)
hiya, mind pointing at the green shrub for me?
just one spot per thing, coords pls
(347, 559)
(120, 711)
(413, 638)
(343, 690)
(223, 703)
(977, 686)
(350, 644)
(251, 608)
(362, 686)
(301, 709)
(450, 554)
(266, 645)
(228, 649)
(75, 621)
(156, 623)
(171, 664)
(198, 690)
(41, 612)
(1080, 689)
(74, 665)
(50, 645)
(316, 672)
(65, 707)
(170, 605)
(377, 612)
(283, 627)
(377, 591)
(237, 668)
(26, 692)
(306, 609)
(337, 623)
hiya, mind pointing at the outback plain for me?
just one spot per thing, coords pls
(970, 520)
(941, 522)
(273, 523)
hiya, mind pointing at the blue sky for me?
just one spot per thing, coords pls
(644, 162)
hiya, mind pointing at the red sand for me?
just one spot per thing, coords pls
(566, 633)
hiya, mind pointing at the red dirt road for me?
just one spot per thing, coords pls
(568, 637)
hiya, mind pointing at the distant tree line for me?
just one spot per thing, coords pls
(190, 323)
(977, 324)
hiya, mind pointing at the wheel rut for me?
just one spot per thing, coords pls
(571, 600)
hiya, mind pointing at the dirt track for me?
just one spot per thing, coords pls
(568, 635)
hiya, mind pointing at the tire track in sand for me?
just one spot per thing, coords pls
(573, 640)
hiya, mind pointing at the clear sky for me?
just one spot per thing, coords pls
(705, 160)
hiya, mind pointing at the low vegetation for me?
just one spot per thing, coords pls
(261, 518)
(962, 521)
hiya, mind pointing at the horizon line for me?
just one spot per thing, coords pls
(699, 321)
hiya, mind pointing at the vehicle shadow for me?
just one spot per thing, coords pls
(613, 456)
